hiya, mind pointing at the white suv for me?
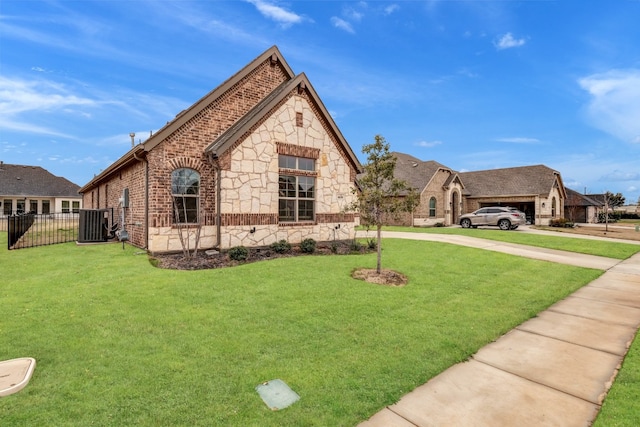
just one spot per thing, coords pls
(502, 216)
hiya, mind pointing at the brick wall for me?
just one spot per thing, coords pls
(183, 148)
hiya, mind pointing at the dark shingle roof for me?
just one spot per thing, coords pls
(415, 172)
(34, 181)
(577, 199)
(524, 180)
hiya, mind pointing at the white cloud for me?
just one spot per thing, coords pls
(507, 41)
(342, 24)
(618, 175)
(353, 14)
(390, 9)
(17, 96)
(427, 144)
(277, 13)
(615, 103)
(519, 140)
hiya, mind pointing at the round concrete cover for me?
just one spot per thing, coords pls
(15, 374)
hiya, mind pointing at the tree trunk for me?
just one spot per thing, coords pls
(379, 265)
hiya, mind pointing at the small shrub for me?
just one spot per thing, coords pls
(612, 217)
(334, 248)
(308, 246)
(238, 253)
(439, 224)
(372, 244)
(561, 222)
(281, 247)
(355, 246)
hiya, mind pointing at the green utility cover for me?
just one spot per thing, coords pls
(277, 394)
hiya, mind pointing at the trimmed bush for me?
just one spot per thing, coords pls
(612, 217)
(308, 246)
(561, 222)
(372, 244)
(355, 246)
(281, 247)
(238, 253)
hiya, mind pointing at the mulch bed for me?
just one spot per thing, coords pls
(202, 261)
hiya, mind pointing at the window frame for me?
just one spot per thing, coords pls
(432, 207)
(296, 189)
(7, 206)
(185, 197)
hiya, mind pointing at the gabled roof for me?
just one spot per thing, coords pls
(415, 172)
(577, 199)
(183, 117)
(517, 181)
(258, 113)
(34, 181)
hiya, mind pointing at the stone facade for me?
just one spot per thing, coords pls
(251, 181)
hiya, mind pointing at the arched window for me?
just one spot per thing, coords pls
(432, 207)
(185, 190)
(553, 207)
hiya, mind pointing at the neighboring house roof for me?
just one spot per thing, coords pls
(34, 181)
(415, 172)
(577, 199)
(600, 199)
(516, 181)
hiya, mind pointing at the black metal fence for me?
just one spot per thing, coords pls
(31, 230)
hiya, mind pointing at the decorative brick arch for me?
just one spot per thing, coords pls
(187, 162)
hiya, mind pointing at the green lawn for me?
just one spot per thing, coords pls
(119, 342)
(621, 407)
(572, 244)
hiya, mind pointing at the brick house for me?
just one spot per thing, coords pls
(34, 189)
(583, 208)
(445, 194)
(257, 160)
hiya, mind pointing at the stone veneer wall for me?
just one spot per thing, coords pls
(250, 182)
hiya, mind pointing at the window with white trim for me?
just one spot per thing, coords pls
(185, 190)
(296, 189)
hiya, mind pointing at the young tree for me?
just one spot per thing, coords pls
(381, 195)
(614, 200)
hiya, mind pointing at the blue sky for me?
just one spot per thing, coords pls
(473, 85)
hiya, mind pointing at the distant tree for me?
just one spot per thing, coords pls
(614, 200)
(381, 195)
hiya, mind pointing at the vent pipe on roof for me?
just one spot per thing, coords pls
(133, 137)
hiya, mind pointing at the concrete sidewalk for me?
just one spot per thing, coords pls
(553, 370)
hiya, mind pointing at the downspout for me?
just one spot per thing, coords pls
(218, 204)
(213, 159)
(146, 199)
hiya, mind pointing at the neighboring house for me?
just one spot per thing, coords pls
(34, 189)
(439, 188)
(257, 160)
(445, 194)
(583, 208)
